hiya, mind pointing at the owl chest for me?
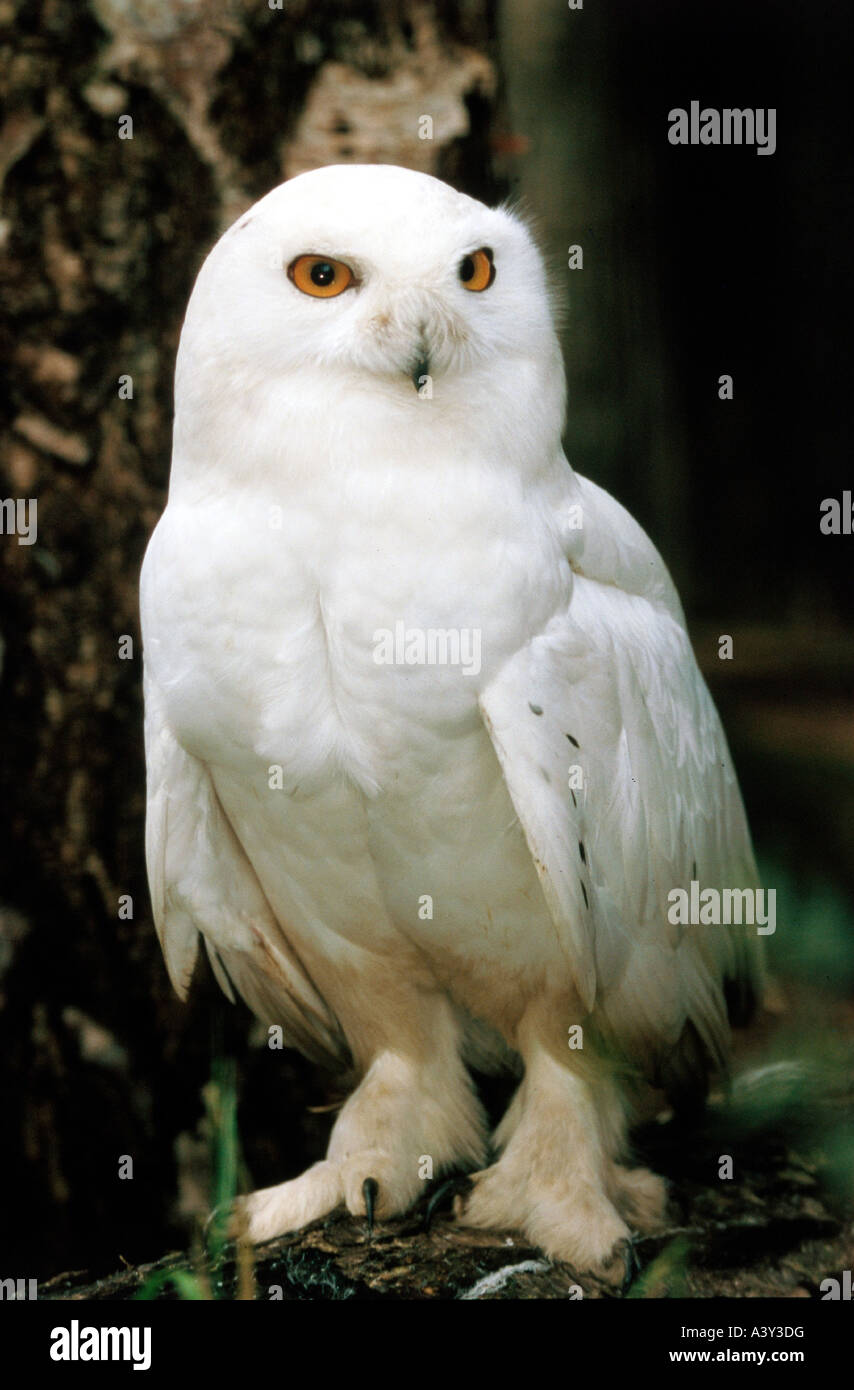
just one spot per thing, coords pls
(321, 650)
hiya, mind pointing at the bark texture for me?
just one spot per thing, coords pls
(100, 239)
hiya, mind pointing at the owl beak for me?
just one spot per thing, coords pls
(420, 370)
(421, 365)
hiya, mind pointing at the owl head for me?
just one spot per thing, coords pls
(357, 284)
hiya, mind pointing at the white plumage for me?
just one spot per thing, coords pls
(304, 800)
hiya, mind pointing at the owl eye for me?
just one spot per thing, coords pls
(320, 276)
(476, 270)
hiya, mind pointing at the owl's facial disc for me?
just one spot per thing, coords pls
(409, 325)
(375, 280)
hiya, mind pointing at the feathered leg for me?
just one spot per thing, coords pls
(557, 1178)
(415, 1102)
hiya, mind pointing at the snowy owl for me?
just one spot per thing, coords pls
(428, 751)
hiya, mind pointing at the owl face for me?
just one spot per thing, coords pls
(376, 277)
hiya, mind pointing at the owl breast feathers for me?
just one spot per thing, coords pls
(428, 750)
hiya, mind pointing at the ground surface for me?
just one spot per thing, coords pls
(776, 1240)
(776, 1228)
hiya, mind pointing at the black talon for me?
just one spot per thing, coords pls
(370, 1192)
(459, 1183)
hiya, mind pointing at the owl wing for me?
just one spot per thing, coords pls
(619, 772)
(203, 884)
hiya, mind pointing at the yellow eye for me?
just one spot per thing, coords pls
(319, 276)
(477, 271)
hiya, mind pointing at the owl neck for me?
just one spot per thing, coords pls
(332, 426)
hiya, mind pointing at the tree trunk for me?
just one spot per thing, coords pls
(134, 132)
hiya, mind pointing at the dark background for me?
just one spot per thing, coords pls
(697, 261)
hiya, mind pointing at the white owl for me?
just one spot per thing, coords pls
(409, 860)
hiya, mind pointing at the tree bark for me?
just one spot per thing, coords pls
(133, 133)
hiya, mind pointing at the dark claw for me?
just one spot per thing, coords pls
(460, 1184)
(370, 1192)
(632, 1263)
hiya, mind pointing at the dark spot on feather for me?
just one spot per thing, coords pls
(584, 891)
(573, 741)
(535, 709)
(582, 852)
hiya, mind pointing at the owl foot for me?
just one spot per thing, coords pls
(557, 1180)
(273, 1211)
(401, 1119)
(569, 1221)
